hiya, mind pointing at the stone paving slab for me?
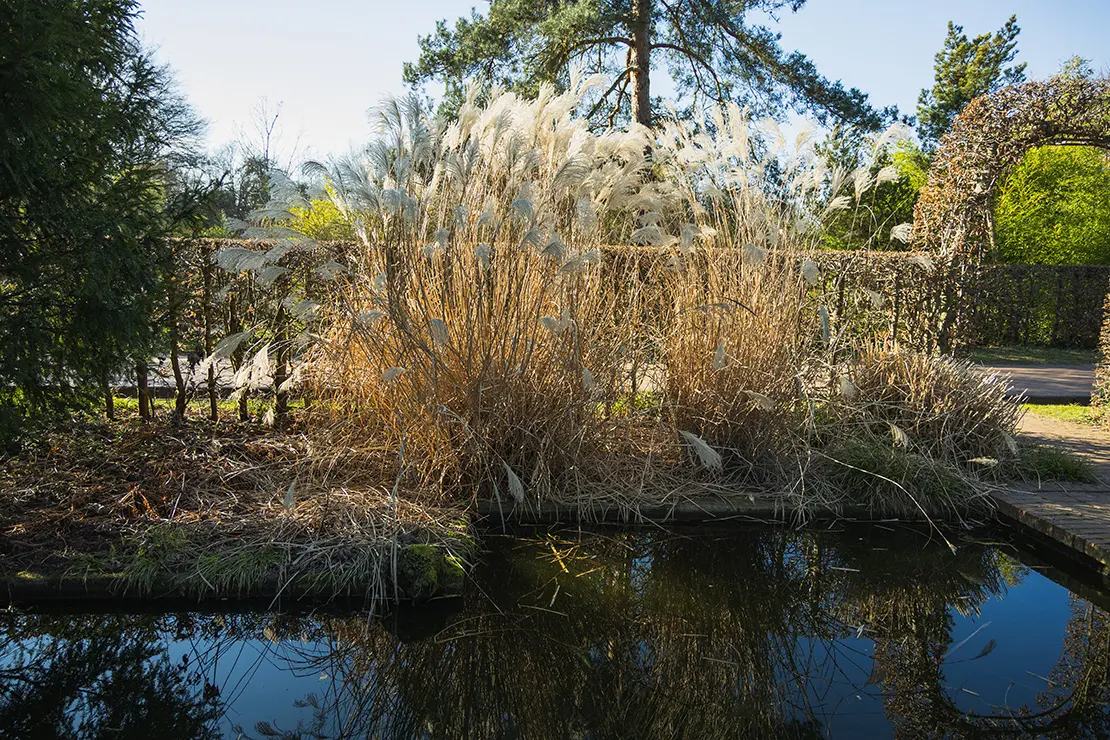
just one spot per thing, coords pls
(1077, 516)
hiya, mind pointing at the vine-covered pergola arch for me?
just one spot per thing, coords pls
(954, 212)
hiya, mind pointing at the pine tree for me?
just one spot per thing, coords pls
(965, 69)
(88, 124)
(710, 48)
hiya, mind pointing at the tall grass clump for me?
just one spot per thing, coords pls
(885, 479)
(734, 344)
(901, 433)
(474, 336)
(483, 338)
(734, 354)
(940, 406)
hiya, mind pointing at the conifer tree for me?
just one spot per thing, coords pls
(88, 127)
(965, 69)
(712, 49)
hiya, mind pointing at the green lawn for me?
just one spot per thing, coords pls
(1033, 356)
(198, 406)
(1073, 412)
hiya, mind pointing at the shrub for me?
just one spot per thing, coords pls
(322, 221)
(1054, 208)
(944, 407)
(1100, 394)
(891, 481)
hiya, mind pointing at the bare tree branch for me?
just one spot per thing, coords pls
(607, 93)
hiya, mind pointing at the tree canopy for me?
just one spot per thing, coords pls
(897, 170)
(88, 124)
(1054, 208)
(965, 69)
(712, 50)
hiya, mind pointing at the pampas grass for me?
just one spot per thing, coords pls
(733, 350)
(477, 343)
(481, 272)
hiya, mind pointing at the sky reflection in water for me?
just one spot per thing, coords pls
(758, 632)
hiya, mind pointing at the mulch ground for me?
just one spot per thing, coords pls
(82, 487)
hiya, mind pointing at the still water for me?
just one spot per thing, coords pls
(876, 632)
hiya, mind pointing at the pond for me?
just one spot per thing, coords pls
(757, 632)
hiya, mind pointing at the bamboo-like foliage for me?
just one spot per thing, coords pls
(246, 308)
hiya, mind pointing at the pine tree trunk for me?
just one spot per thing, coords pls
(234, 326)
(281, 372)
(175, 346)
(142, 389)
(109, 400)
(641, 62)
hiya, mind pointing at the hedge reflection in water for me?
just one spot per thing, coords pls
(645, 635)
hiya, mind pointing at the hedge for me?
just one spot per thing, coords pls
(1100, 394)
(905, 298)
(995, 305)
(902, 299)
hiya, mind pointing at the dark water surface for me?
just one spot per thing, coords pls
(875, 632)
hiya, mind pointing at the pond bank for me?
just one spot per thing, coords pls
(1072, 517)
(415, 573)
(238, 510)
(749, 631)
(427, 573)
(213, 511)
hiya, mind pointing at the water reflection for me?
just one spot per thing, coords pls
(759, 633)
(99, 677)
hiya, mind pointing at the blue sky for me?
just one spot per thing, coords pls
(329, 61)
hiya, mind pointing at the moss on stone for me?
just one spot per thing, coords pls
(418, 569)
(451, 576)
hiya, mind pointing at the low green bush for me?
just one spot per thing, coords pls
(894, 481)
(1038, 462)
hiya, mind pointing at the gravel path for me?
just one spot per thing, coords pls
(1049, 383)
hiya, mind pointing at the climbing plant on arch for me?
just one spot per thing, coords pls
(954, 212)
(954, 215)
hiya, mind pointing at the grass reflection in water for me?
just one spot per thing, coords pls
(761, 632)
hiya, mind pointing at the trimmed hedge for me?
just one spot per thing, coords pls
(905, 298)
(1100, 394)
(1053, 305)
(995, 305)
(899, 298)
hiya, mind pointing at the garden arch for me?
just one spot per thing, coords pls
(954, 215)
(954, 212)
